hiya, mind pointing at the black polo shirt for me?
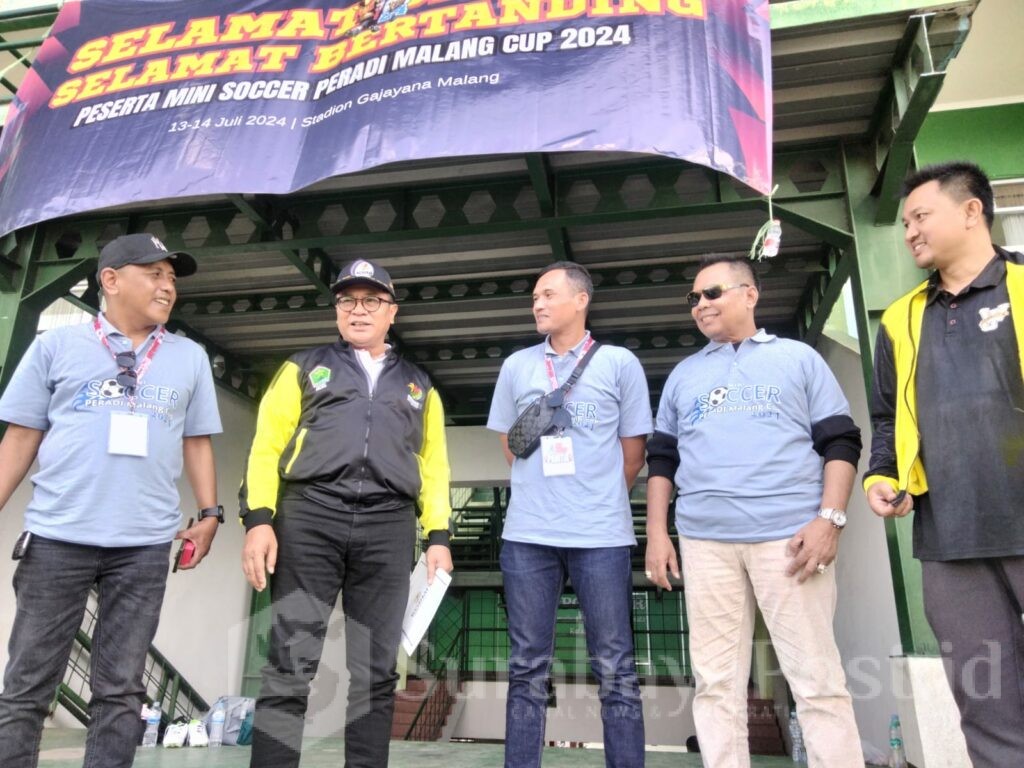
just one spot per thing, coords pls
(970, 411)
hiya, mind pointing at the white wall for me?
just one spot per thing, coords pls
(865, 624)
(476, 457)
(203, 622)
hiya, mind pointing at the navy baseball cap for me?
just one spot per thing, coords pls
(143, 248)
(363, 272)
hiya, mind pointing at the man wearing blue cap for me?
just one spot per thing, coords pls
(112, 409)
(349, 450)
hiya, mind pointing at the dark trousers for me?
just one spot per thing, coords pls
(52, 584)
(974, 608)
(321, 552)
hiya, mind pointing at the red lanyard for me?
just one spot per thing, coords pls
(551, 366)
(140, 371)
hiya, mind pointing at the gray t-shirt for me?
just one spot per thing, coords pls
(748, 470)
(590, 508)
(65, 385)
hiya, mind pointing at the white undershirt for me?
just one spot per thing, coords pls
(372, 365)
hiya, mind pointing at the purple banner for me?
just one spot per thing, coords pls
(132, 100)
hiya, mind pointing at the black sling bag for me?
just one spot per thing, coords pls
(546, 414)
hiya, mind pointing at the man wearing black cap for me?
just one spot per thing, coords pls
(112, 409)
(349, 449)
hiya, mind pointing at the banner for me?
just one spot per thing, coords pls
(133, 100)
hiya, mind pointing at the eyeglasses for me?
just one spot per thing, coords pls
(711, 293)
(127, 378)
(370, 303)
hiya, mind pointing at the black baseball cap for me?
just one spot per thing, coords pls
(143, 248)
(363, 272)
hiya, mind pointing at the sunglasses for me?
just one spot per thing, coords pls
(127, 378)
(711, 293)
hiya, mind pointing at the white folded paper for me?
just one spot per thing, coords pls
(424, 600)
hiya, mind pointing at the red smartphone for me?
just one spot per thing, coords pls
(186, 551)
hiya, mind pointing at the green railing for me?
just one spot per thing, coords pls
(477, 525)
(164, 683)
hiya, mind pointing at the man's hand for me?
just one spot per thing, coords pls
(813, 545)
(201, 534)
(881, 496)
(259, 555)
(661, 556)
(438, 556)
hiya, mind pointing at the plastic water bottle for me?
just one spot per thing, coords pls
(897, 754)
(772, 240)
(797, 736)
(149, 738)
(217, 724)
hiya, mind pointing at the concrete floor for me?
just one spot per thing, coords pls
(64, 748)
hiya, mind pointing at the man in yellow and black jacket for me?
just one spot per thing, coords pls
(349, 445)
(948, 440)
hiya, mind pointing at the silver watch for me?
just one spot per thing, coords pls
(835, 516)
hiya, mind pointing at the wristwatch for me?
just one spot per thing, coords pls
(835, 516)
(217, 512)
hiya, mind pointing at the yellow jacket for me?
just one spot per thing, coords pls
(901, 325)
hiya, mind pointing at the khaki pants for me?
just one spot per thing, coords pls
(722, 582)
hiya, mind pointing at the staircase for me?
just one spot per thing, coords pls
(421, 712)
(476, 532)
(164, 684)
(763, 732)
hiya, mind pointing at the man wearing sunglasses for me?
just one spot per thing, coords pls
(756, 435)
(113, 410)
(349, 449)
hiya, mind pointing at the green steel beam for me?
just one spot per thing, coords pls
(828, 290)
(257, 641)
(415, 235)
(17, 45)
(28, 285)
(803, 13)
(830, 233)
(29, 18)
(809, 191)
(915, 85)
(543, 185)
(272, 228)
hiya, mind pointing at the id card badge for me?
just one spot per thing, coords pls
(556, 456)
(129, 435)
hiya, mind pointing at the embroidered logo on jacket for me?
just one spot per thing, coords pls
(415, 396)
(319, 377)
(991, 318)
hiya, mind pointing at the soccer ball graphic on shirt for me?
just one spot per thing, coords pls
(716, 396)
(110, 389)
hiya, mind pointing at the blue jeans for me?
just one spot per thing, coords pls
(534, 577)
(52, 584)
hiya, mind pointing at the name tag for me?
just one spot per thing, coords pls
(129, 435)
(556, 456)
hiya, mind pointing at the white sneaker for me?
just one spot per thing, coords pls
(175, 735)
(197, 734)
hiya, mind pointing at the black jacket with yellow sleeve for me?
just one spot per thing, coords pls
(323, 434)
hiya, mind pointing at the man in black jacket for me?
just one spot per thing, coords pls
(947, 416)
(349, 444)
